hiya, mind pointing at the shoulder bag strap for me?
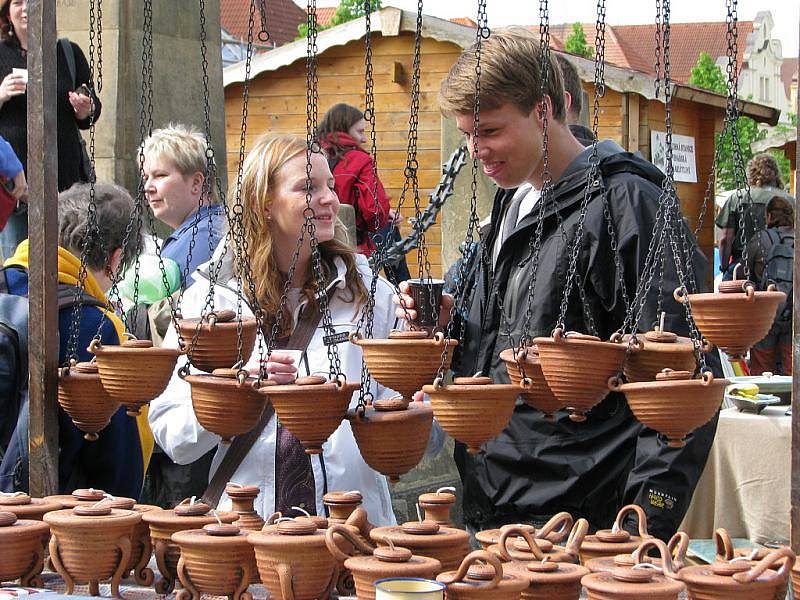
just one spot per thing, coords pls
(69, 55)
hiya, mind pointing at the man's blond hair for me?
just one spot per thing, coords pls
(511, 73)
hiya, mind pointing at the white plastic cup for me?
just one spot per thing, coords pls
(408, 588)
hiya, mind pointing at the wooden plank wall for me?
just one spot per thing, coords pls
(278, 105)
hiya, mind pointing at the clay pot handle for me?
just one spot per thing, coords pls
(707, 377)
(616, 337)
(576, 537)
(750, 289)
(615, 383)
(515, 530)
(359, 519)
(678, 545)
(94, 345)
(722, 540)
(772, 287)
(640, 555)
(471, 559)
(558, 334)
(285, 580)
(642, 518)
(354, 337)
(680, 295)
(781, 554)
(332, 542)
(557, 528)
(272, 519)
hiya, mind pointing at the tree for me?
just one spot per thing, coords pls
(348, 10)
(576, 42)
(707, 75)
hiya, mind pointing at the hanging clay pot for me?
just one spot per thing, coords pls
(574, 364)
(675, 404)
(472, 410)
(243, 498)
(548, 580)
(736, 317)
(438, 505)
(405, 361)
(524, 547)
(134, 372)
(216, 560)
(610, 542)
(21, 549)
(25, 507)
(536, 392)
(163, 523)
(448, 545)
(213, 340)
(225, 402)
(392, 435)
(83, 497)
(341, 505)
(293, 560)
(655, 351)
(82, 396)
(312, 408)
(376, 563)
(677, 547)
(474, 581)
(91, 544)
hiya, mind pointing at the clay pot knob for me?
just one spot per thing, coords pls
(297, 527)
(137, 344)
(477, 380)
(7, 519)
(726, 569)
(631, 575)
(480, 572)
(670, 375)
(420, 527)
(186, 509)
(90, 494)
(390, 404)
(225, 316)
(732, 287)
(397, 334)
(311, 380)
(93, 510)
(90, 368)
(661, 337)
(542, 566)
(15, 499)
(392, 555)
(224, 530)
(607, 535)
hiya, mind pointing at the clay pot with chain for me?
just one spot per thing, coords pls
(226, 402)
(213, 340)
(216, 560)
(657, 350)
(472, 410)
(376, 563)
(536, 392)
(674, 404)
(163, 523)
(677, 547)
(438, 505)
(134, 372)
(311, 408)
(736, 317)
(22, 544)
(392, 434)
(82, 396)
(425, 538)
(548, 580)
(25, 507)
(524, 547)
(487, 581)
(574, 365)
(407, 360)
(610, 542)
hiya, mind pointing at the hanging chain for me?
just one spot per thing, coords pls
(657, 69)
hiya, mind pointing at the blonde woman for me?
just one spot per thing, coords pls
(274, 198)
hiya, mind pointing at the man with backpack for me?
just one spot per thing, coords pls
(771, 261)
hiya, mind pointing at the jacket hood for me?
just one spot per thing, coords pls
(340, 139)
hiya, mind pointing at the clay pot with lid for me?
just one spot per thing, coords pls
(25, 507)
(536, 392)
(392, 435)
(448, 545)
(243, 498)
(656, 350)
(487, 581)
(472, 410)
(311, 408)
(213, 339)
(91, 544)
(674, 404)
(341, 505)
(376, 563)
(216, 560)
(519, 545)
(225, 402)
(725, 550)
(134, 372)
(163, 523)
(22, 543)
(736, 317)
(438, 505)
(84, 496)
(345, 509)
(293, 560)
(141, 545)
(677, 546)
(610, 542)
(548, 580)
(556, 530)
(82, 396)
(407, 360)
(577, 368)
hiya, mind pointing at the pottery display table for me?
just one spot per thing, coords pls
(745, 485)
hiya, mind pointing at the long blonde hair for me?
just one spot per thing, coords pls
(263, 163)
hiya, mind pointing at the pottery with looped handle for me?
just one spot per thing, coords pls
(213, 339)
(610, 542)
(537, 393)
(82, 396)
(448, 545)
(475, 581)
(548, 580)
(22, 543)
(677, 546)
(726, 551)
(519, 545)
(438, 505)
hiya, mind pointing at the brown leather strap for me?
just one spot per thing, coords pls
(241, 445)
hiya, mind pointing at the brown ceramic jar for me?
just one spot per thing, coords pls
(548, 580)
(474, 581)
(341, 505)
(22, 554)
(677, 547)
(25, 507)
(610, 542)
(216, 560)
(523, 547)
(655, 351)
(82, 396)
(448, 545)
(438, 505)
(243, 498)
(536, 392)
(141, 545)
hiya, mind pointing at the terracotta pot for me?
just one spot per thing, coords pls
(376, 563)
(226, 403)
(675, 404)
(735, 318)
(481, 581)
(91, 544)
(216, 560)
(548, 580)
(134, 372)
(22, 555)
(345, 509)
(407, 360)
(163, 523)
(536, 392)
(610, 542)
(490, 537)
(391, 437)
(655, 351)
(341, 505)
(425, 538)
(524, 547)
(727, 552)
(213, 339)
(84, 497)
(574, 366)
(677, 547)
(243, 498)
(311, 411)
(472, 410)
(293, 560)
(25, 507)
(141, 545)
(438, 505)
(82, 396)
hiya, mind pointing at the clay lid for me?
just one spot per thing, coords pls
(732, 287)
(353, 497)
(93, 510)
(610, 536)
(242, 491)
(189, 509)
(224, 316)
(727, 569)
(319, 521)
(90, 368)
(223, 530)
(14, 499)
(542, 566)
(409, 334)
(546, 572)
(123, 503)
(521, 544)
(427, 537)
(480, 572)
(574, 335)
(626, 582)
(7, 519)
(632, 575)
(390, 404)
(421, 527)
(624, 560)
(137, 344)
(225, 373)
(311, 380)
(394, 554)
(438, 497)
(88, 495)
(477, 380)
(670, 375)
(661, 337)
(297, 527)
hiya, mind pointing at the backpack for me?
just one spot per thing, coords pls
(778, 269)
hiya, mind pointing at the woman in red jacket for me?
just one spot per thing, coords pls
(341, 134)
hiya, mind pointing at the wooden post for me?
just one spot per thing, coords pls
(43, 236)
(795, 481)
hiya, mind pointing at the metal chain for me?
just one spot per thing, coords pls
(657, 66)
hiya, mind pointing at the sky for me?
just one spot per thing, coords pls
(785, 13)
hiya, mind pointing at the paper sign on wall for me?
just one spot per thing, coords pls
(683, 155)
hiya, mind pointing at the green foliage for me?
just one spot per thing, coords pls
(348, 10)
(707, 75)
(576, 42)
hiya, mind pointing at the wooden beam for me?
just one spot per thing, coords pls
(795, 481)
(43, 235)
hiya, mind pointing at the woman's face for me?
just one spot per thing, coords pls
(357, 131)
(172, 195)
(285, 213)
(18, 15)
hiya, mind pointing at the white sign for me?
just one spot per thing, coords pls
(683, 155)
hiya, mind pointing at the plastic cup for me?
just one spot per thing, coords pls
(427, 296)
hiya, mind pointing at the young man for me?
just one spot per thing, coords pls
(536, 468)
